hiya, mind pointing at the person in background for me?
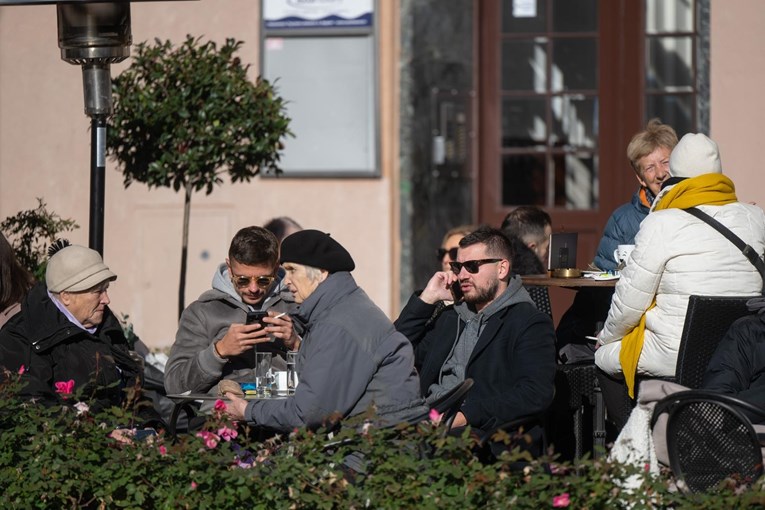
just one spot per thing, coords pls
(648, 154)
(495, 336)
(15, 282)
(533, 226)
(529, 229)
(677, 255)
(351, 356)
(447, 253)
(66, 342)
(282, 226)
(213, 341)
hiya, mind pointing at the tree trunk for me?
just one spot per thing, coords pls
(184, 248)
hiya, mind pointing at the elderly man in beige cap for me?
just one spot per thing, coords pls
(66, 342)
(676, 255)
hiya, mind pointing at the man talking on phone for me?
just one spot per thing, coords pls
(214, 340)
(494, 335)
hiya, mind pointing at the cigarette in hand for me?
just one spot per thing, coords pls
(280, 315)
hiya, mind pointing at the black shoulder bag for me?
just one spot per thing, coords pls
(747, 250)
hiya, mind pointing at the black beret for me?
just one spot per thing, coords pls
(316, 249)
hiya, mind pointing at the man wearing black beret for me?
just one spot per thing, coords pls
(351, 356)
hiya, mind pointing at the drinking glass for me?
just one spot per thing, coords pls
(263, 373)
(292, 378)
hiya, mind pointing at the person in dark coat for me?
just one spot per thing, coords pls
(67, 344)
(737, 367)
(495, 336)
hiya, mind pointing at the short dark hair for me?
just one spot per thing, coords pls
(279, 226)
(254, 246)
(528, 223)
(497, 243)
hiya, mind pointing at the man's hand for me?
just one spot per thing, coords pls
(280, 326)
(235, 409)
(439, 287)
(459, 420)
(241, 338)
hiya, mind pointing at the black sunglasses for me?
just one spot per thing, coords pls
(443, 251)
(471, 266)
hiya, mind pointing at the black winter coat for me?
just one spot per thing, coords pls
(512, 365)
(738, 365)
(53, 349)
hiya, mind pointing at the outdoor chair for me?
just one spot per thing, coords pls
(707, 320)
(710, 438)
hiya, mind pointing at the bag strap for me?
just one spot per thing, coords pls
(746, 249)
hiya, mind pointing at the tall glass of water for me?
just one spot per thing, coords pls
(292, 378)
(263, 373)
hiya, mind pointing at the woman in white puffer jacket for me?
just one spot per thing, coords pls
(677, 255)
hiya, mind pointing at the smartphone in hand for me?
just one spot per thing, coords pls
(457, 292)
(257, 317)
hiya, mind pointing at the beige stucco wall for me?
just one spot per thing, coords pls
(45, 152)
(737, 110)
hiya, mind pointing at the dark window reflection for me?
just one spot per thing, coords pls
(513, 24)
(575, 121)
(575, 65)
(523, 122)
(524, 179)
(524, 65)
(576, 181)
(675, 110)
(575, 15)
(669, 62)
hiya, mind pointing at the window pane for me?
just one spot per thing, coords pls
(575, 15)
(524, 179)
(575, 121)
(575, 65)
(524, 64)
(523, 122)
(515, 21)
(576, 181)
(662, 16)
(669, 62)
(675, 110)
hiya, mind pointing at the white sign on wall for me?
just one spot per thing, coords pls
(296, 14)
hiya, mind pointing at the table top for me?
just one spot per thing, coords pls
(206, 396)
(543, 280)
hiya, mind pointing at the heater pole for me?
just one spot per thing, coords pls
(97, 181)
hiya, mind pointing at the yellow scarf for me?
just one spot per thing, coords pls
(706, 189)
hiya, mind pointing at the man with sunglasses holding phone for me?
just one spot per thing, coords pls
(213, 341)
(494, 334)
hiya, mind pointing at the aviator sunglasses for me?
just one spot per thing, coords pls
(263, 282)
(471, 266)
(443, 251)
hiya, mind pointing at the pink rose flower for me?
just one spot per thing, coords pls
(227, 434)
(162, 450)
(64, 388)
(210, 439)
(435, 416)
(220, 405)
(82, 408)
(561, 501)
(193, 485)
(22, 369)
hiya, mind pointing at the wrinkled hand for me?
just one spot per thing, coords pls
(281, 327)
(236, 407)
(241, 338)
(438, 288)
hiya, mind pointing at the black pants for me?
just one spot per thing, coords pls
(618, 403)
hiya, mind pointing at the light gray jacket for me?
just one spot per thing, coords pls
(350, 358)
(193, 365)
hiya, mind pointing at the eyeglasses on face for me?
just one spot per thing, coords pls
(471, 266)
(443, 251)
(263, 282)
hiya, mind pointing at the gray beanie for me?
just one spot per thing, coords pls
(76, 268)
(695, 154)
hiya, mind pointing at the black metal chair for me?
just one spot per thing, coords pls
(710, 439)
(449, 404)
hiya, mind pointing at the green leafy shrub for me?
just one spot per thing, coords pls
(60, 458)
(30, 233)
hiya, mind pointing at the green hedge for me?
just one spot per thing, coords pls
(62, 458)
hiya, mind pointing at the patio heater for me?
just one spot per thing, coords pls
(93, 34)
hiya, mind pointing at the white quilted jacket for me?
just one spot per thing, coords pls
(677, 255)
